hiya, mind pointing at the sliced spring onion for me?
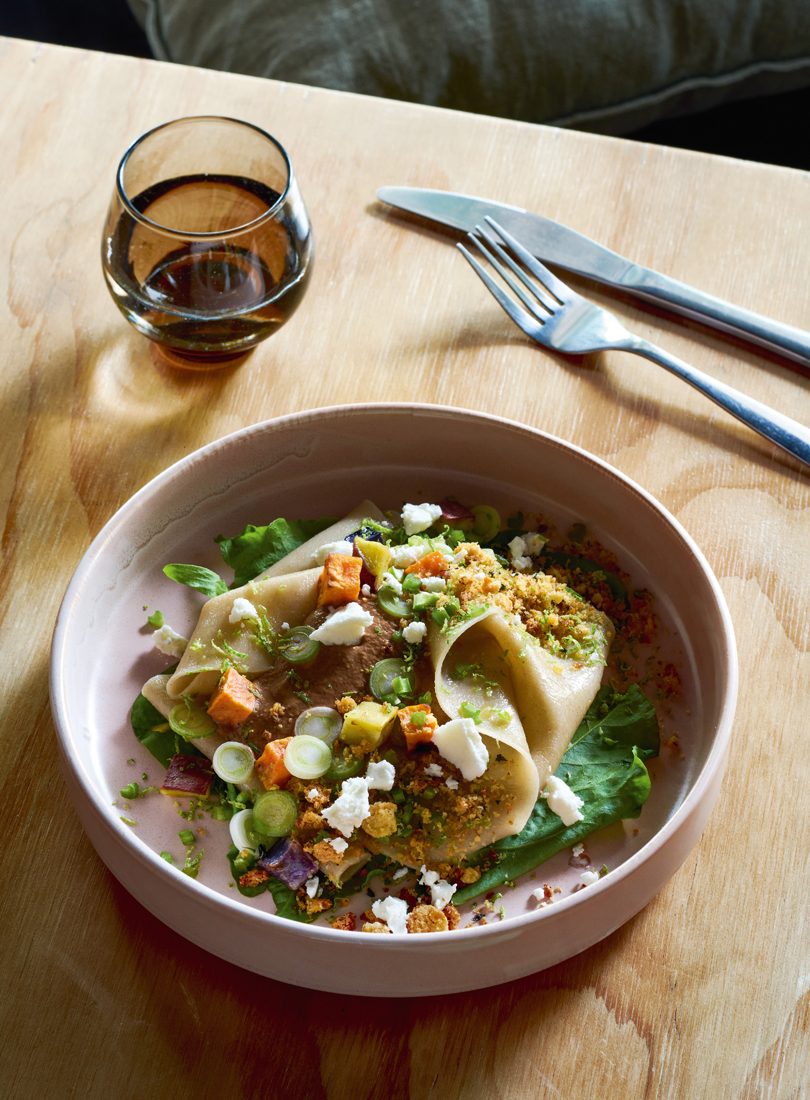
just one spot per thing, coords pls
(243, 833)
(307, 757)
(391, 603)
(486, 522)
(233, 762)
(297, 647)
(322, 722)
(383, 675)
(190, 721)
(274, 813)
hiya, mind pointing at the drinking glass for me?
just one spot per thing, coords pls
(207, 246)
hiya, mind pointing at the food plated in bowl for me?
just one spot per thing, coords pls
(492, 639)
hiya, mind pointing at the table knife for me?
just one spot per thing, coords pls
(558, 244)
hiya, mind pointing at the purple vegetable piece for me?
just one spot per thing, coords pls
(288, 862)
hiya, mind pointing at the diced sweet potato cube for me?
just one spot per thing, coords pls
(270, 766)
(419, 730)
(188, 777)
(339, 581)
(433, 564)
(233, 701)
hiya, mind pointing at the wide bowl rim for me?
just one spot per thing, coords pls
(700, 787)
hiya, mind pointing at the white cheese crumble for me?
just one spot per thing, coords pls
(394, 911)
(562, 801)
(434, 584)
(418, 517)
(403, 556)
(517, 554)
(388, 580)
(323, 552)
(351, 808)
(339, 844)
(380, 775)
(346, 626)
(168, 641)
(460, 742)
(441, 891)
(242, 609)
(534, 542)
(311, 886)
(366, 589)
(588, 878)
(400, 872)
(414, 632)
(451, 784)
(434, 769)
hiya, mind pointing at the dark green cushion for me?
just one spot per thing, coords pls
(606, 65)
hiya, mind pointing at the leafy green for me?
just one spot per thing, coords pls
(257, 548)
(198, 577)
(604, 765)
(152, 730)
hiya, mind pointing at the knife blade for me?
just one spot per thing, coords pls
(555, 243)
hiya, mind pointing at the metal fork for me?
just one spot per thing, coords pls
(559, 318)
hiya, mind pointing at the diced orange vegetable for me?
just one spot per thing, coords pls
(270, 766)
(433, 564)
(339, 581)
(417, 734)
(233, 701)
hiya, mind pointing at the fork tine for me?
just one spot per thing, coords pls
(538, 292)
(519, 316)
(477, 238)
(560, 291)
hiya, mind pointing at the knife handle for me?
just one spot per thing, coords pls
(774, 335)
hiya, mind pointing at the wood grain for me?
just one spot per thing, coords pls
(706, 992)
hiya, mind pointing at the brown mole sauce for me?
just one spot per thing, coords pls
(285, 691)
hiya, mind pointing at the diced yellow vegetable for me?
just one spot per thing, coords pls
(376, 555)
(368, 724)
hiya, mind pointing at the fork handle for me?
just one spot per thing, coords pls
(788, 434)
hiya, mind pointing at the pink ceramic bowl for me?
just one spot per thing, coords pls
(322, 462)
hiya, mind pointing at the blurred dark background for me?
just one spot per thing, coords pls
(773, 129)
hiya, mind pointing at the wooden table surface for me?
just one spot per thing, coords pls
(705, 993)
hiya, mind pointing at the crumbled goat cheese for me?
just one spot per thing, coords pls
(434, 584)
(418, 517)
(441, 891)
(588, 878)
(380, 775)
(414, 632)
(403, 556)
(323, 552)
(517, 554)
(388, 580)
(451, 784)
(242, 609)
(534, 542)
(313, 793)
(460, 742)
(434, 769)
(400, 872)
(351, 808)
(562, 801)
(339, 844)
(577, 850)
(311, 886)
(168, 641)
(366, 589)
(394, 911)
(346, 626)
